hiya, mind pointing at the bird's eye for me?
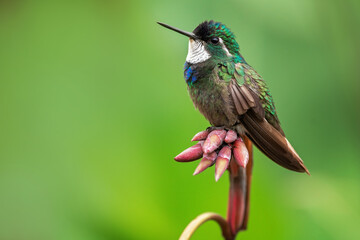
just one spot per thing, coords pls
(215, 40)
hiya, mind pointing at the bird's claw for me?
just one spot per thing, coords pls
(212, 128)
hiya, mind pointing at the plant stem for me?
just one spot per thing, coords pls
(195, 224)
(249, 167)
(237, 196)
(239, 192)
(238, 206)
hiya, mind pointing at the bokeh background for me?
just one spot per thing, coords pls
(94, 107)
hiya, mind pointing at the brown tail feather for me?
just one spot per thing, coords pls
(272, 143)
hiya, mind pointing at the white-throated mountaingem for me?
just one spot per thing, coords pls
(231, 94)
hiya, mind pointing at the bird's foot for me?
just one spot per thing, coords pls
(217, 145)
(217, 128)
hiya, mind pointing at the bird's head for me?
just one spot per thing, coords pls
(210, 40)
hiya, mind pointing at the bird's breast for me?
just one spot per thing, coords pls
(212, 99)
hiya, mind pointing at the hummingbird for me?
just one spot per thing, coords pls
(231, 94)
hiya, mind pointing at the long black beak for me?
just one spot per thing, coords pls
(189, 34)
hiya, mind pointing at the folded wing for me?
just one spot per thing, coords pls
(261, 127)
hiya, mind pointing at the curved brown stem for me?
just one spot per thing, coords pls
(202, 218)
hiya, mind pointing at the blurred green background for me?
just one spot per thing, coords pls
(94, 108)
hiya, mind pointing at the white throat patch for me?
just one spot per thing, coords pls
(197, 52)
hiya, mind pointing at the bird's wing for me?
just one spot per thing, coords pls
(254, 105)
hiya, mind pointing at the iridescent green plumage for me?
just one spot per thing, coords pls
(220, 30)
(245, 74)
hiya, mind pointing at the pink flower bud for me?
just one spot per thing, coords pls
(225, 152)
(221, 165)
(214, 140)
(200, 136)
(206, 162)
(241, 153)
(230, 136)
(190, 154)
